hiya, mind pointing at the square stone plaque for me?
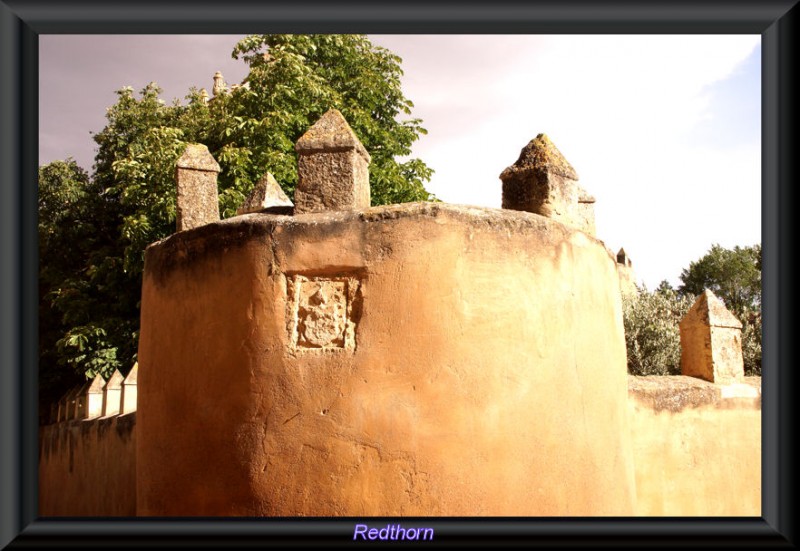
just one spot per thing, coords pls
(321, 312)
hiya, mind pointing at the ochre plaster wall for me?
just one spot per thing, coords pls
(485, 375)
(88, 468)
(697, 452)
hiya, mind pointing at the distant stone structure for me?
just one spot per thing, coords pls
(197, 196)
(266, 197)
(543, 182)
(332, 168)
(219, 84)
(711, 342)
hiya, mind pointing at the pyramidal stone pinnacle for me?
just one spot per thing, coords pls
(267, 196)
(543, 182)
(332, 168)
(541, 154)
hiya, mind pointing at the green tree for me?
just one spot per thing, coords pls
(294, 79)
(734, 275)
(74, 233)
(129, 202)
(652, 336)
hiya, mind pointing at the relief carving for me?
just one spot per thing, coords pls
(321, 312)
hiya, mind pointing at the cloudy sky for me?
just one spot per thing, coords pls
(663, 130)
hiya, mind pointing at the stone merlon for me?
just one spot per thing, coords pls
(543, 182)
(332, 168)
(197, 202)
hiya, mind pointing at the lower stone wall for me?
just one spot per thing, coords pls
(697, 446)
(88, 468)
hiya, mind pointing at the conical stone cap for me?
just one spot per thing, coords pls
(542, 155)
(331, 133)
(266, 195)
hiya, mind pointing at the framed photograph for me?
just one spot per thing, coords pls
(325, 308)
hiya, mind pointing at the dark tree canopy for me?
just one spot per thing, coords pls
(93, 231)
(734, 275)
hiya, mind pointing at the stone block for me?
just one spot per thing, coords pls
(711, 342)
(196, 179)
(332, 168)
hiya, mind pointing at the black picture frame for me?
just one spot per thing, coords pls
(22, 21)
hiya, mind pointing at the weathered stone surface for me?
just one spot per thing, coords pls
(321, 312)
(697, 447)
(585, 212)
(469, 390)
(711, 342)
(196, 179)
(332, 168)
(677, 393)
(88, 469)
(330, 133)
(543, 182)
(267, 196)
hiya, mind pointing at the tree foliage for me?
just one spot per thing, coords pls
(652, 337)
(93, 231)
(734, 275)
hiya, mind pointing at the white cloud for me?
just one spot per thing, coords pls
(620, 108)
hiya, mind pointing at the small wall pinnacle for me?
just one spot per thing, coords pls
(711, 341)
(267, 196)
(196, 179)
(332, 167)
(543, 182)
(97, 398)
